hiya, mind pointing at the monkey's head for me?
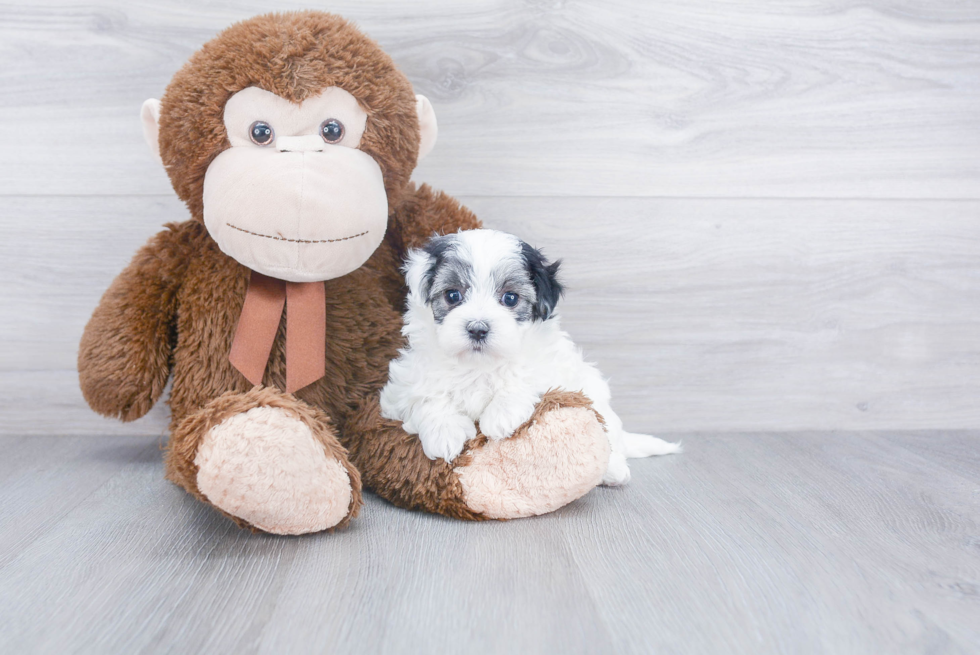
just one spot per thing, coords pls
(289, 135)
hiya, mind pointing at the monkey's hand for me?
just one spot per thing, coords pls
(124, 358)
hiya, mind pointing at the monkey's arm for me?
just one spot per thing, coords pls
(425, 212)
(124, 358)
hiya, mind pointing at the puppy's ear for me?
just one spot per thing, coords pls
(544, 276)
(417, 277)
(421, 266)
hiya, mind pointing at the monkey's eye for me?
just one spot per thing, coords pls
(510, 299)
(453, 296)
(332, 130)
(261, 133)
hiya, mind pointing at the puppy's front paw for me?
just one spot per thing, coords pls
(446, 437)
(617, 472)
(504, 415)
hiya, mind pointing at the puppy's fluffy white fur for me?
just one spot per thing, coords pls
(484, 344)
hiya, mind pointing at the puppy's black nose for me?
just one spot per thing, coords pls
(478, 330)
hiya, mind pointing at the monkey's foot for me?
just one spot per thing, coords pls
(558, 456)
(268, 461)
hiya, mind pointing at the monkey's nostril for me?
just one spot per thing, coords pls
(478, 330)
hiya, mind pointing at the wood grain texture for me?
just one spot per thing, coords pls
(747, 543)
(770, 315)
(707, 314)
(831, 98)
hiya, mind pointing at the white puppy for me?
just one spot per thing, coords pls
(484, 344)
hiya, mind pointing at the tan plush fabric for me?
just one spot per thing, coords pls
(269, 482)
(558, 458)
(150, 118)
(290, 119)
(265, 466)
(428, 126)
(298, 209)
(313, 218)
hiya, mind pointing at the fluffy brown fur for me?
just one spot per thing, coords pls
(137, 337)
(294, 55)
(173, 311)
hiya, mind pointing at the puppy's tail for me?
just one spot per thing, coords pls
(643, 445)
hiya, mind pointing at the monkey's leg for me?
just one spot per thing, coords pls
(558, 456)
(266, 460)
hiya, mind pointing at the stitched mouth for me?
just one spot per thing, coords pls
(277, 238)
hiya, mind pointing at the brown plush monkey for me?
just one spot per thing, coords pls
(277, 307)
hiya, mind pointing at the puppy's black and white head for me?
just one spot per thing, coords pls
(483, 288)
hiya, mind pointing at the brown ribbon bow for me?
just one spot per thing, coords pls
(306, 323)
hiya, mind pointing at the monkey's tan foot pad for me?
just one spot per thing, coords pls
(556, 458)
(266, 467)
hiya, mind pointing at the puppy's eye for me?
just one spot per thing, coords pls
(261, 133)
(510, 299)
(332, 130)
(453, 296)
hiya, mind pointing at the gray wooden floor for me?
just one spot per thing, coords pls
(748, 543)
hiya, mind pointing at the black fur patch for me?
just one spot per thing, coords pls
(544, 276)
(436, 247)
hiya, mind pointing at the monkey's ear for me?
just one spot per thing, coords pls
(150, 115)
(427, 125)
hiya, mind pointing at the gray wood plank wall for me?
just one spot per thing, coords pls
(769, 212)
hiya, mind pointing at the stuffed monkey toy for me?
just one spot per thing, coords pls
(276, 308)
